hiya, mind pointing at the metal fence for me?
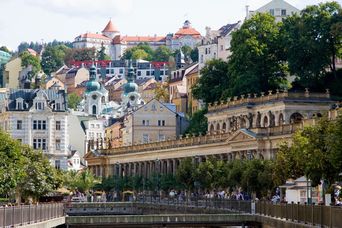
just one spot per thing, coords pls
(315, 215)
(29, 214)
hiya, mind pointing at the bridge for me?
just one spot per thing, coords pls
(200, 212)
(167, 212)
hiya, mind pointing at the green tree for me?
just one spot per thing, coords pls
(198, 122)
(256, 63)
(140, 54)
(213, 82)
(194, 54)
(53, 58)
(29, 60)
(39, 177)
(161, 92)
(79, 54)
(141, 51)
(312, 42)
(73, 100)
(162, 53)
(11, 163)
(101, 54)
(184, 173)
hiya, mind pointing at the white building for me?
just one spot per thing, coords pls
(116, 44)
(39, 119)
(278, 8)
(216, 44)
(185, 36)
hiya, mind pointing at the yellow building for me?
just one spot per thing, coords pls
(152, 122)
(113, 134)
(192, 78)
(12, 72)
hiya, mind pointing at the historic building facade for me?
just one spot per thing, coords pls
(278, 8)
(280, 115)
(116, 44)
(39, 118)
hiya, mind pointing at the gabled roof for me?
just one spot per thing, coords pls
(226, 29)
(93, 36)
(110, 27)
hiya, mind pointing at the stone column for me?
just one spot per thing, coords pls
(129, 171)
(168, 166)
(174, 166)
(135, 172)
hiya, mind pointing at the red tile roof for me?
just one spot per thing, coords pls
(125, 39)
(93, 36)
(188, 31)
(110, 27)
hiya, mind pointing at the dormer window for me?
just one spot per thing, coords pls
(39, 105)
(58, 106)
(20, 104)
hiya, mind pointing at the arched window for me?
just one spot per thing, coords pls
(281, 119)
(211, 129)
(217, 127)
(265, 122)
(224, 127)
(296, 118)
(243, 123)
(94, 110)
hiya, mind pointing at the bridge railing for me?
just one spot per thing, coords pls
(308, 214)
(28, 214)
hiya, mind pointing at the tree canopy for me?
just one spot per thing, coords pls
(24, 172)
(53, 58)
(73, 100)
(79, 54)
(312, 43)
(213, 82)
(29, 60)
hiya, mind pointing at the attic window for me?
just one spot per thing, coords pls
(40, 106)
(20, 105)
(58, 106)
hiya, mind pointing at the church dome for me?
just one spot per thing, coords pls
(130, 87)
(93, 86)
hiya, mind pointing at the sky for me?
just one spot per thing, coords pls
(46, 20)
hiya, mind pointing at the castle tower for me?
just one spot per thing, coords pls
(110, 30)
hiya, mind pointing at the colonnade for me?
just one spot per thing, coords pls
(166, 166)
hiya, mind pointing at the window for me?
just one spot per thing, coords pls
(92, 125)
(39, 125)
(112, 71)
(283, 12)
(121, 71)
(272, 12)
(163, 122)
(206, 51)
(161, 137)
(139, 73)
(39, 144)
(97, 125)
(148, 73)
(161, 72)
(40, 106)
(159, 122)
(57, 164)
(147, 122)
(58, 125)
(58, 106)
(154, 107)
(152, 72)
(20, 105)
(145, 138)
(58, 144)
(201, 59)
(19, 124)
(221, 47)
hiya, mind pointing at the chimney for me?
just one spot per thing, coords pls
(247, 12)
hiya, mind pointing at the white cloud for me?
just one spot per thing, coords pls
(84, 8)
